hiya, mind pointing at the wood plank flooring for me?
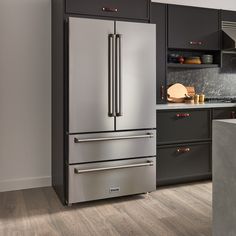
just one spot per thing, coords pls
(183, 210)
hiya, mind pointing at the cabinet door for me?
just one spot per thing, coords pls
(228, 15)
(183, 162)
(158, 17)
(89, 75)
(183, 126)
(224, 113)
(136, 68)
(193, 28)
(136, 9)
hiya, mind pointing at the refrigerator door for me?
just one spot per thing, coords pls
(135, 75)
(89, 75)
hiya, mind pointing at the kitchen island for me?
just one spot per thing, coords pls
(224, 177)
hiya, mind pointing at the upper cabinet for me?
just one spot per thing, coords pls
(158, 17)
(129, 9)
(193, 28)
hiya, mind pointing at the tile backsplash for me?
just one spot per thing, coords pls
(213, 82)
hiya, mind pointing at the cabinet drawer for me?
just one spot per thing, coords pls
(111, 179)
(224, 113)
(111, 146)
(180, 162)
(136, 9)
(182, 126)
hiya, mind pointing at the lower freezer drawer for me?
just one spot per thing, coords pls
(111, 179)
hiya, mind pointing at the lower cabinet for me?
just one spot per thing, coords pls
(183, 162)
(224, 113)
(184, 143)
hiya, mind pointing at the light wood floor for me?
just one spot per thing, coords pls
(174, 211)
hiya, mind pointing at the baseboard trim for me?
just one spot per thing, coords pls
(25, 183)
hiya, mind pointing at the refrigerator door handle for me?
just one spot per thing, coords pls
(111, 75)
(78, 171)
(119, 107)
(147, 135)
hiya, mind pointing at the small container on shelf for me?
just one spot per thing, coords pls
(207, 59)
(193, 60)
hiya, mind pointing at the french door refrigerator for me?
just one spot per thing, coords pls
(111, 129)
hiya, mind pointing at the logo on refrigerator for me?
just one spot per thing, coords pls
(116, 189)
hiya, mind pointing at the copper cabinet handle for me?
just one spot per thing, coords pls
(233, 115)
(180, 115)
(110, 9)
(162, 92)
(195, 43)
(183, 150)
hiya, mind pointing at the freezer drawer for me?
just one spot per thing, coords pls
(111, 179)
(112, 145)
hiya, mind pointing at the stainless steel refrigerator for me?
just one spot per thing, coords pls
(112, 136)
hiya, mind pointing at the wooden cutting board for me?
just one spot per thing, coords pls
(176, 93)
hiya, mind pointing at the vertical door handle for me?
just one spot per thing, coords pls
(162, 92)
(111, 75)
(119, 106)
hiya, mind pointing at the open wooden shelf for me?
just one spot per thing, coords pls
(192, 66)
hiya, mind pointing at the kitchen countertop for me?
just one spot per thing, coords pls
(172, 106)
(224, 178)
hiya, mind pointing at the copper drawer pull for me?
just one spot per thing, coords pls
(233, 115)
(180, 115)
(195, 43)
(109, 9)
(183, 150)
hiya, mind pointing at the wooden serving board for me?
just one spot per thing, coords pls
(176, 93)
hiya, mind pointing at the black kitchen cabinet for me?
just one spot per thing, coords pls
(193, 28)
(158, 16)
(224, 113)
(132, 9)
(183, 162)
(228, 15)
(183, 145)
(183, 126)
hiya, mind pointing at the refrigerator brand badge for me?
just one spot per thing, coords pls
(116, 189)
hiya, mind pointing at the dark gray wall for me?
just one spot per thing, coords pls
(213, 82)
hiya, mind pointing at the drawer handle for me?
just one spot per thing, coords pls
(162, 92)
(195, 43)
(233, 115)
(77, 171)
(180, 115)
(109, 9)
(148, 135)
(183, 150)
